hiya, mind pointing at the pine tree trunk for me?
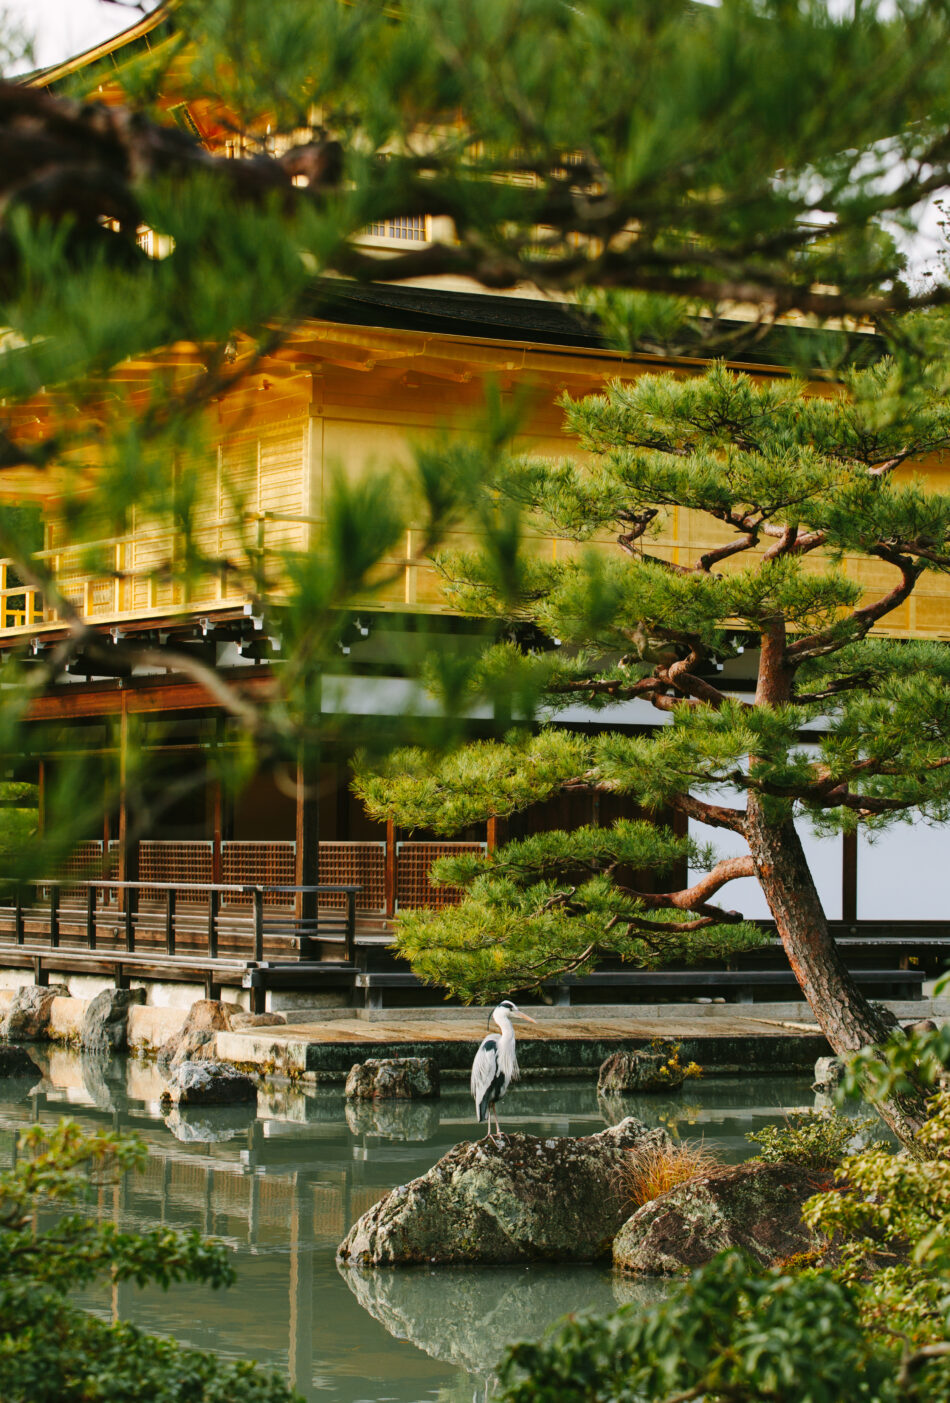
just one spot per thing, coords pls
(845, 1016)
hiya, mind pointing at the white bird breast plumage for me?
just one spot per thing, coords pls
(495, 1066)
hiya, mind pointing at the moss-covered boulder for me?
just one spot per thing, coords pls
(106, 1020)
(195, 1041)
(648, 1069)
(753, 1206)
(393, 1079)
(518, 1200)
(208, 1083)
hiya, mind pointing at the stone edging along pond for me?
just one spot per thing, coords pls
(317, 1052)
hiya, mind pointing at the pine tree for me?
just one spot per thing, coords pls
(797, 496)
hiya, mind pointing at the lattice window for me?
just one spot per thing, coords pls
(407, 227)
(259, 864)
(168, 861)
(354, 864)
(413, 861)
(85, 864)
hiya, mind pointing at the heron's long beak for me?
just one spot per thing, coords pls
(526, 1016)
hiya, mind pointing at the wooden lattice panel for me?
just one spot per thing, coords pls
(354, 864)
(259, 864)
(328, 1217)
(85, 864)
(362, 1198)
(85, 860)
(413, 861)
(167, 861)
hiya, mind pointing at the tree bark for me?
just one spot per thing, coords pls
(845, 1016)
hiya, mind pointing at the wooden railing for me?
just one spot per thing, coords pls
(383, 886)
(174, 918)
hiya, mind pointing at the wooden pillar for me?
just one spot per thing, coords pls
(41, 798)
(128, 864)
(390, 891)
(218, 818)
(217, 832)
(849, 877)
(496, 832)
(680, 826)
(342, 802)
(307, 862)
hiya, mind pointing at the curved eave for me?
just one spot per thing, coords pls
(109, 48)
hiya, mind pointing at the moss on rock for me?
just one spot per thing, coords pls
(754, 1206)
(520, 1200)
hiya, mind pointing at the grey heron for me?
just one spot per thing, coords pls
(496, 1063)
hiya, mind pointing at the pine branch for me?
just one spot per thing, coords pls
(858, 624)
(716, 815)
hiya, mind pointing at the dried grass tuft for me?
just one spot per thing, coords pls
(653, 1170)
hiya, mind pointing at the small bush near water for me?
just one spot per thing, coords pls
(651, 1172)
(811, 1139)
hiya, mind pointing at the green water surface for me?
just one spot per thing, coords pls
(282, 1185)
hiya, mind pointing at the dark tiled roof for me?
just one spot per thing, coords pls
(543, 322)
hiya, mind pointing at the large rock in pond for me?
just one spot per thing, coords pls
(520, 1200)
(753, 1206)
(195, 1041)
(208, 1084)
(393, 1079)
(28, 1013)
(646, 1069)
(829, 1073)
(16, 1062)
(105, 1022)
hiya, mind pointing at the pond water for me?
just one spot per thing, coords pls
(282, 1186)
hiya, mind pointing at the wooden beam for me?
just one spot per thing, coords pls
(108, 701)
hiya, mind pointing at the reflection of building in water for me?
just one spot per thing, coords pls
(274, 1198)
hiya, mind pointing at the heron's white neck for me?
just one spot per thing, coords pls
(507, 1051)
(503, 1021)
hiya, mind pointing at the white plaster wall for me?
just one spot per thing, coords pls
(904, 874)
(745, 895)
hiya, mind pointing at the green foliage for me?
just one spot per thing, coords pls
(888, 1222)
(729, 1333)
(811, 1139)
(873, 1323)
(783, 488)
(51, 1351)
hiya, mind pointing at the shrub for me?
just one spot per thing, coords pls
(52, 1351)
(811, 1139)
